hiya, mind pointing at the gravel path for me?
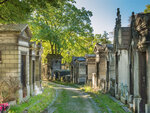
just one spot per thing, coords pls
(71, 100)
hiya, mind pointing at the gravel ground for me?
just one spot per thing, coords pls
(71, 100)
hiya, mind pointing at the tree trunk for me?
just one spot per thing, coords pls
(55, 49)
(52, 50)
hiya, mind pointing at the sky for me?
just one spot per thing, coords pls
(104, 12)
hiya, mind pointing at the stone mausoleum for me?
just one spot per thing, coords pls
(78, 70)
(53, 64)
(91, 69)
(132, 62)
(19, 59)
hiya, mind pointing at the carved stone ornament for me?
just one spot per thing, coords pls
(142, 28)
(141, 44)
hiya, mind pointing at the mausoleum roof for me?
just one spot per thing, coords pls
(13, 27)
(90, 55)
(21, 28)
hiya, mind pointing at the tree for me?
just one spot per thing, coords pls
(147, 10)
(19, 11)
(103, 39)
(62, 29)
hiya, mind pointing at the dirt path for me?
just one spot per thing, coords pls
(71, 100)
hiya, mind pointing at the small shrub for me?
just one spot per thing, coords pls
(9, 87)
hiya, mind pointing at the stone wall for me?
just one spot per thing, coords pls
(123, 72)
(9, 71)
(91, 68)
(102, 67)
(111, 66)
(9, 54)
(112, 76)
(102, 73)
(148, 78)
(9, 64)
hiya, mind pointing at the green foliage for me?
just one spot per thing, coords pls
(103, 39)
(147, 10)
(19, 11)
(14, 10)
(66, 29)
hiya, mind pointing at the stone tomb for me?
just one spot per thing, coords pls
(91, 67)
(78, 70)
(15, 58)
(103, 69)
(35, 68)
(53, 63)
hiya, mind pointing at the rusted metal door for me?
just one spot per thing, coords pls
(23, 75)
(142, 81)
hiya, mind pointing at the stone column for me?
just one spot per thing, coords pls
(137, 99)
(136, 104)
(94, 80)
(148, 79)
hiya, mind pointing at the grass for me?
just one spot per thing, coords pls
(37, 103)
(70, 102)
(103, 101)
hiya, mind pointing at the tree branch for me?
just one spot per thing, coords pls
(1, 17)
(3, 1)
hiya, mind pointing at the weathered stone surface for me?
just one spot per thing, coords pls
(15, 52)
(78, 70)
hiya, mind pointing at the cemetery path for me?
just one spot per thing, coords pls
(71, 100)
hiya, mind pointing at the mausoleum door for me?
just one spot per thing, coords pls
(33, 73)
(116, 70)
(97, 72)
(23, 75)
(131, 72)
(107, 76)
(142, 81)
